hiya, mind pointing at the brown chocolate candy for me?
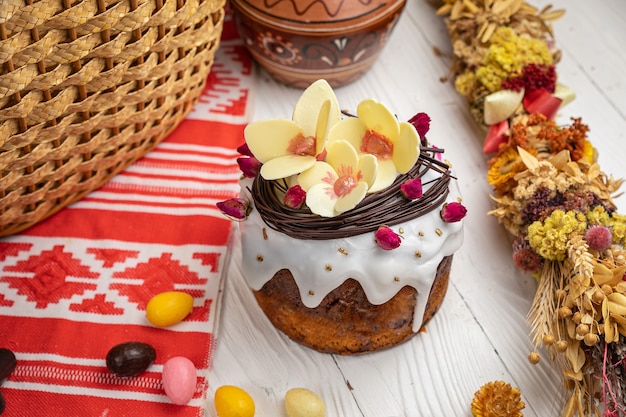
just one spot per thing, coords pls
(130, 358)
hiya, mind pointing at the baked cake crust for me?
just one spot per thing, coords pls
(345, 322)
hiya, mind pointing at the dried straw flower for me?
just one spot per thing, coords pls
(497, 399)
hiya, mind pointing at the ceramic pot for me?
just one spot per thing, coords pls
(300, 41)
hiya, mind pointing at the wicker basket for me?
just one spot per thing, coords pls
(88, 87)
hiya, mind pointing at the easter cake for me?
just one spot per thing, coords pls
(348, 223)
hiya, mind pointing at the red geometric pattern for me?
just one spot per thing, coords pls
(77, 284)
(156, 276)
(46, 277)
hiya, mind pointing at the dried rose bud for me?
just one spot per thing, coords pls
(295, 197)
(244, 150)
(235, 208)
(421, 122)
(453, 212)
(412, 189)
(386, 238)
(599, 238)
(249, 166)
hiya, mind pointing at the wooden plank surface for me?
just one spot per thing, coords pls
(480, 333)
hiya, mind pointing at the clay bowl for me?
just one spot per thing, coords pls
(300, 41)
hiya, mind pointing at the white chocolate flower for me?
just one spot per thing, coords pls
(340, 183)
(288, 147)
(376, 131)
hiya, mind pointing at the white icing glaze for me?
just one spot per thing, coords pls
(319, 266)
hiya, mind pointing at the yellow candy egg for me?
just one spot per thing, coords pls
(168, 308)
(301, 402)
(231, 401)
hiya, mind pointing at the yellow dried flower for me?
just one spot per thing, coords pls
(497, 399)
(618, 227)
(465, 82)
(549, 238)
(507, 55)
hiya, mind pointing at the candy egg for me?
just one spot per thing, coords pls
(231, 401)
(7, 363)
(301, 402)
(179, 379)
(168, 308)
(130, 358)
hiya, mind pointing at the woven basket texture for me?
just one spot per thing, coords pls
(88, 87)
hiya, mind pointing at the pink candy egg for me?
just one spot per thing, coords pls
(179, 379)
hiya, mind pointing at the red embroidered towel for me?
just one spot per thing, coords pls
(78, 283)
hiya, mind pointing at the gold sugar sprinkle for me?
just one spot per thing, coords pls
(259, 258)
(264, 234)
(328, 267)
(439, 232)
(459, 200)
(421, 234)
(311, 292)
(396, 279)
(342, 251)
(401, 230)
(418, 254)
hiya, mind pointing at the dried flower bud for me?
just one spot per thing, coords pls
(582, 329)
(497, 398)
(564, 312)
(606, 289)
(598, 296)
(534, 358)
(295, 197)
(244, 150)
(577, 317)
(560, 294)
(235, 208)
(412, 189)
(421, 122)
(249, 166)
(453, 212)
(599, 238)
(591, 339)
(548, 339)
(386, 238)
(561, 345)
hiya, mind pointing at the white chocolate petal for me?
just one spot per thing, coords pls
(342, 155)
(308, 107)
(321, 131)
(379, 118)
(368, 166)
(351, 129)
(321, 200)
(354, 197)
(406, 150)
(385, 176)
(286, 166)
(565, 93)
(320, 172)
(501, 104)
(269, 139)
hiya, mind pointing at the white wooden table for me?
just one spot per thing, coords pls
(480, 333)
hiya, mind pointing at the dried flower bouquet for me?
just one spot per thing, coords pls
(549, 193)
